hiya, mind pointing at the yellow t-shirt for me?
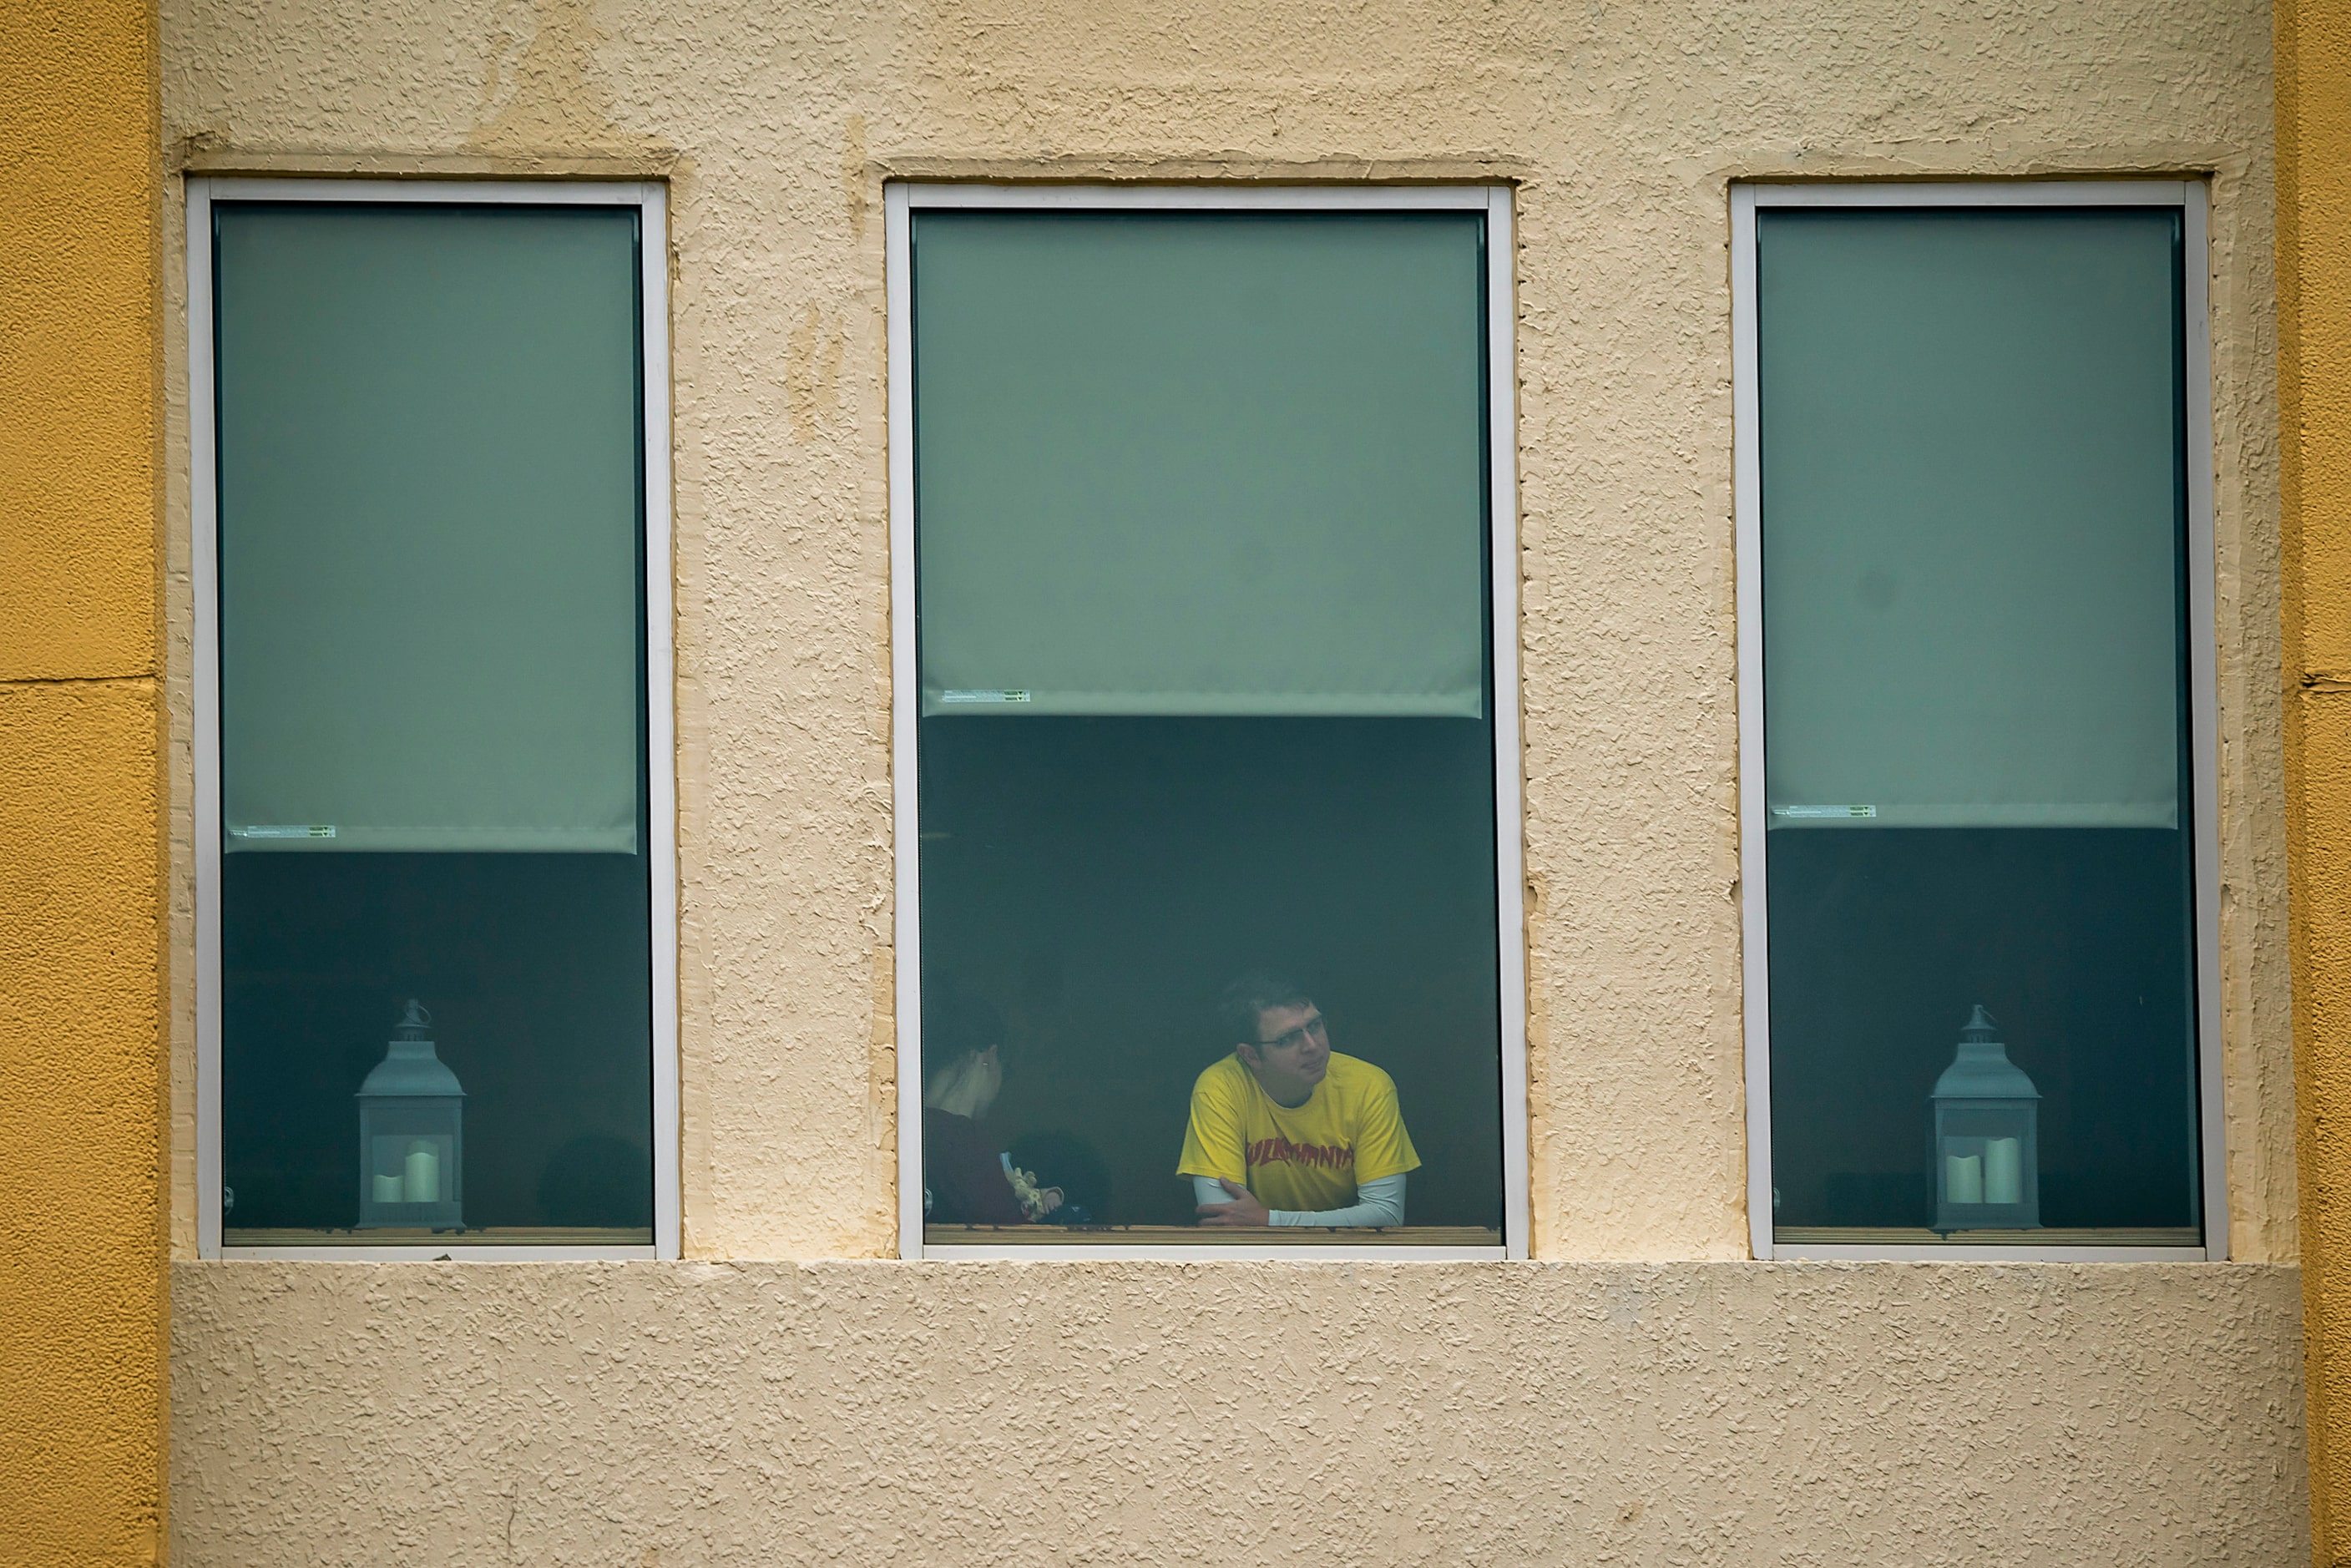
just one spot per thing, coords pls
(1309, 1157)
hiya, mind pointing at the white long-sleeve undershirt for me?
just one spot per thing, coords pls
(1379, 1201)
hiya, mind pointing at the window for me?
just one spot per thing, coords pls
(1206, 740)
(1975, 708)
(434, 823)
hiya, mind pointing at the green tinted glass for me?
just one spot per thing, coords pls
(1200, 463)
(428, 485)
(1200, 524)
(430, 667)
(1981, 895)
(1971, 445)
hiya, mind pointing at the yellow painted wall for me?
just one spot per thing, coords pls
(2314, 99)
(81, 1065)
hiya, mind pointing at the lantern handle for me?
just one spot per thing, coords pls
(414, 1019)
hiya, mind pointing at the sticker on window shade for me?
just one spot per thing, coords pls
(984, 695)
(284, 830)
(1833, 812)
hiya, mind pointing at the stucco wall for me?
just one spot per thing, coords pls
(2314, 377)
(82, 1056)
(1621, 125)
(849, 1412)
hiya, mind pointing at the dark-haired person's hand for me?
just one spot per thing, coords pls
(1245, 1209)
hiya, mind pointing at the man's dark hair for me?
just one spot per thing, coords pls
(1251, 995)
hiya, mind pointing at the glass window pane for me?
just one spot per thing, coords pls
(1199, 464)
(1201, 532)
(1972, 467)
(422, 411)
(432, 725)
(1981, 887)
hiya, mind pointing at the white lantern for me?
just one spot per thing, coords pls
(411, 1134)
(1986, 1137)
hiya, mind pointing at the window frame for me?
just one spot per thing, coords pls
(901, 199)
(2190, 198)
(650, 200)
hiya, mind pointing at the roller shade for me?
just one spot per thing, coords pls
(1972, 514)
(428, 528)
(1174, 463)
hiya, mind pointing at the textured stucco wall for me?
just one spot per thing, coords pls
(1720, 1413)
(1622, 125)
(306, 1389)
(82, 1056)
(2315, 382)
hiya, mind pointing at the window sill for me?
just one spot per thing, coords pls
(2180, 1244)
(1903, 1236)
(493, 1244)
(1401, 1243)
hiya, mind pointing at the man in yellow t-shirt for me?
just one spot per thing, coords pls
(1286, 1131)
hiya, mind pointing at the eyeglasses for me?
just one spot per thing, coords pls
(1289, 1040)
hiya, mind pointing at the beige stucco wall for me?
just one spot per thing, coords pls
(2171, 1409)
(776, 125)
(886, 1413)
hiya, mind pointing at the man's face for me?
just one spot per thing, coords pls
(1292, 1047)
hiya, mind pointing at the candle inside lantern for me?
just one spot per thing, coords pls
(1963, 1178)
(421, 1182)
(388, 1189)
(2003, 1171)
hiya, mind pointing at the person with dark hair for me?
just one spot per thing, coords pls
(964, 1180)
(1286, 1131)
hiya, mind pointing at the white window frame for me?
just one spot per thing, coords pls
(2189, 198)
(900, 200)
(650, 200)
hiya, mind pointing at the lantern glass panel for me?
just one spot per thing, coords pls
(1987, 1177)
(417, 1162)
